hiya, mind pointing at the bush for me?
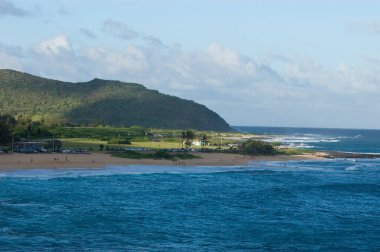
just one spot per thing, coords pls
(257, 147)
(276, 144)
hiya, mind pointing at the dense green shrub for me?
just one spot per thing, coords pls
(257, 147)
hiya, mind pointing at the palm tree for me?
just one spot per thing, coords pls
(204, 140)
(183, 137)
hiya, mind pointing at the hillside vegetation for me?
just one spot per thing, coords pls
(100, 102)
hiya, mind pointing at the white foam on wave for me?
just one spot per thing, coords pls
(302, 140)
(46, 174)
(20, 205)
(335, 165)
(302, 145)
(295, 165)
(365, 165)
(115, 170)
(286, 166)
(352, 168)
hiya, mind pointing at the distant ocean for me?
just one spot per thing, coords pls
(323, 205)
(347, 140)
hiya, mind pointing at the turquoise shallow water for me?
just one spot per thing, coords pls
(331, 205)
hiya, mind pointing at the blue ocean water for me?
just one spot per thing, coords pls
(348, 140)
(324, 205)
(331, 205)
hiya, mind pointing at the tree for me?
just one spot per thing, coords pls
(101, 147)
(5, 134)
(7, 122)
(257, 147)
(189, 136)
(183, 137)
(204, 140)
(33, 130)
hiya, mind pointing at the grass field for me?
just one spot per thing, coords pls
(92, 138)
(94, 144)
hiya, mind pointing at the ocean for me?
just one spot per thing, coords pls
(347, 140)
(319, 205)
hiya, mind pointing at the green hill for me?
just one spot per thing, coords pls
(100, 101)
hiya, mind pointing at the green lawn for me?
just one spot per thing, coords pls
(155, 155)
(94, 144)
(72, 143)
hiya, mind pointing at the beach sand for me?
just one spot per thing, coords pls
(99, 160)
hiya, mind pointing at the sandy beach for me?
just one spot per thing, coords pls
(99, 160)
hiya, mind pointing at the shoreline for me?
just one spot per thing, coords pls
(101, 160)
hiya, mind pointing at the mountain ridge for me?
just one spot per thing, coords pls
(101, 101)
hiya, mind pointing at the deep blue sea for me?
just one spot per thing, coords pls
(327, 205)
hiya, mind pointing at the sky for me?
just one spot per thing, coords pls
(291, 63)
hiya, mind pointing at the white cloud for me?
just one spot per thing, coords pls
(217, 76)
(216, 69)
(130, 62)
(53, 46)
(56, 58)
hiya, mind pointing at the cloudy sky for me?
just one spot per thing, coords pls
(268, 63)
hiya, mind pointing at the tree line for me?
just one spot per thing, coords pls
(25, 128)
